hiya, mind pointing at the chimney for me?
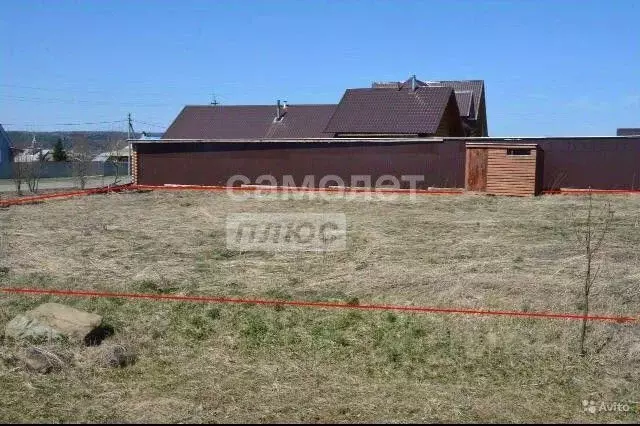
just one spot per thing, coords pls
(278, 111)
(413, 82)
(284, 106)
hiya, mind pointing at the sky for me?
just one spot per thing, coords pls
(551, 68)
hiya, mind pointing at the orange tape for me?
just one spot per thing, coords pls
(38, 198)
(587, 191)
(119, 188)
(296, 189)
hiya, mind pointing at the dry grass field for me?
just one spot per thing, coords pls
(245, 363)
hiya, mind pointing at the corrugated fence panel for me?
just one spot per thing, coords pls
(210, 163)
(583, 162)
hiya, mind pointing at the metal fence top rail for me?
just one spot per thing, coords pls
(485, 139)
(293, 140)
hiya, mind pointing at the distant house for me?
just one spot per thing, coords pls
(120, 155)
(28, 155)
(628, 131)
(33, 154)
(5, 153)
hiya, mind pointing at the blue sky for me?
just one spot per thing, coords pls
(551, 67)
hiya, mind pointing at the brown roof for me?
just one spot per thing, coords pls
(475, 86)
(249, 121)
(390, 111)
(464, 98)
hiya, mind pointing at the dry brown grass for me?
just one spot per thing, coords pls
(246, 363)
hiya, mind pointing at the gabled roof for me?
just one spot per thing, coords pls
(301, 121)
(249, 121)
(123, 152)
(475, 86)
(375, 110)
(464, 98)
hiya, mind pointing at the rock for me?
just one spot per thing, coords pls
(51, 321)
(117, 356)
(70, 322)
(25, 328)
(42, 361)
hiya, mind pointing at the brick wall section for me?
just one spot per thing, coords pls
(511, 174)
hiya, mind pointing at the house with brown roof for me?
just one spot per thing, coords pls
(470, 98)
(381, 112)
(434, 131)
(398, 109)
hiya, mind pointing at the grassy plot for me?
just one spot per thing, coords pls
(206, 362)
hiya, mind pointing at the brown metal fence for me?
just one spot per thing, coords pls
(209, 163)
(580, 162)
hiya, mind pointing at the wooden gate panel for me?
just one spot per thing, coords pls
(476, 170)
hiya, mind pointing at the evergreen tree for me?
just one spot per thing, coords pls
(59, 154)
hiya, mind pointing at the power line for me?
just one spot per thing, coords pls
(81, 90)
(87, 123)
(150, 124)
(80, 101)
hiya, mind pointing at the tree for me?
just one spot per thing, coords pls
(59, 154)
(81, 162)
(19, 174)
(33, 170)
(591, 234)
(114, 158)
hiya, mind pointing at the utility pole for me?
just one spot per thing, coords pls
(130, 133)
(214, 102)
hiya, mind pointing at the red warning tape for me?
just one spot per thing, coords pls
(43, 197)
(132, 187)
(298, 189)
(420, 309)
(460, 191)
(570, 191)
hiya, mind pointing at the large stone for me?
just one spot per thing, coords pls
(51, 321)
(25, 328)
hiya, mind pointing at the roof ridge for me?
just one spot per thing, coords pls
(251, 105)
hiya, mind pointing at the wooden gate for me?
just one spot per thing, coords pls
(504, 169)
(476, 170)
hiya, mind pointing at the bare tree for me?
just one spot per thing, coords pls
(81, 162)
(18, 173)
(33, 170)
(591, 235)
(114, 158)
